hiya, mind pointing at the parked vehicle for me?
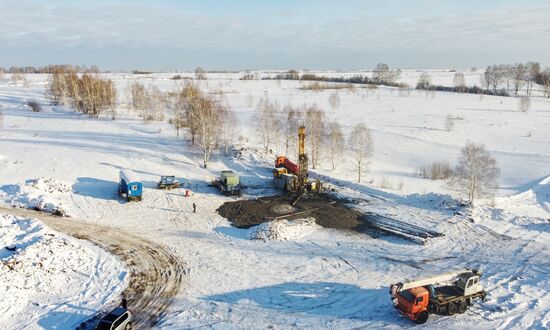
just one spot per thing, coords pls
(445, 294)
(229, 183)
(130, 186)
(168, 182)
(119, 318)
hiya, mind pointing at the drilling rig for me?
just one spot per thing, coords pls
(291, 177)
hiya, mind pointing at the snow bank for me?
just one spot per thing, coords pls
(534, 202)
(283, 230)
(43, 194)
(55, 278)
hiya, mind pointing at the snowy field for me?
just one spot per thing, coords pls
(296, 275)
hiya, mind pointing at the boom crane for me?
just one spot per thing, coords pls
(446, 293)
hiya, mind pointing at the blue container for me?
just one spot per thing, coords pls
(130, 186)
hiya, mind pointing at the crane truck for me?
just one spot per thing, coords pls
(444, 294)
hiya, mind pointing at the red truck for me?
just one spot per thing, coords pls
(283, 161)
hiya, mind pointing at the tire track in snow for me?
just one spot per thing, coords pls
(156, 274)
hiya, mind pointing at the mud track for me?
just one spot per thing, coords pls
(156, 274)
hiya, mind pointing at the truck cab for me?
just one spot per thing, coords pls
(470, 284)
(412, 302)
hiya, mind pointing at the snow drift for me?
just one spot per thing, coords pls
(534, 202)
(58, 280)
(42, 194)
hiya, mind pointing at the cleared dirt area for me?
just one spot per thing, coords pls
(327, 209)
(156, 274)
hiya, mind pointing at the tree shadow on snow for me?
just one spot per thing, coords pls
(338, 300)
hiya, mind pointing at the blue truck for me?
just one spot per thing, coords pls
(130, 186)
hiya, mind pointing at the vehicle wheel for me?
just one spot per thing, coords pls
(128, 326)
(451, 309)
(462, 307)
(422, 317)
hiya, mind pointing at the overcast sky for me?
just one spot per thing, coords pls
(274, 34)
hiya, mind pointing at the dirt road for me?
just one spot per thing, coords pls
(156, 274)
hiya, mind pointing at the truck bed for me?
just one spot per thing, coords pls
(446, 293)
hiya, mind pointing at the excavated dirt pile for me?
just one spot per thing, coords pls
(327, 210)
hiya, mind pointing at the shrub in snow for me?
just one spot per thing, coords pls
(439, 170)
(34, 105)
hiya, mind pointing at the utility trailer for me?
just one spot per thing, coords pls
(130, 186)
(228, 183)
(444, 294)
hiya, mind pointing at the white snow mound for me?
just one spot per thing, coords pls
(283, 230)
(43, 194)
(58, 280)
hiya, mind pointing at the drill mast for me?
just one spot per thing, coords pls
(302, 158)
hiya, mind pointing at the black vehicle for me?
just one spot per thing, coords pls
(119, 318)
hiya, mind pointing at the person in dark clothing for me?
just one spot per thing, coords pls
(124, 303)
(194, 208)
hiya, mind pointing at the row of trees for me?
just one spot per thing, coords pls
(278, 128)
(88, 93)
(513, 77)
(382, 74)
(50, 69)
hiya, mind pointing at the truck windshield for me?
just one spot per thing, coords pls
(407, 296)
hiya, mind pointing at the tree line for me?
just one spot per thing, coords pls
(48, 69)
(501, 80)
(88, 92)
(382, 74)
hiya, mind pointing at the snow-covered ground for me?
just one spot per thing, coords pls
(314, 277)
(51, 279)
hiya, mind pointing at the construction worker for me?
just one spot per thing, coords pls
(194, 208)
(124, 303)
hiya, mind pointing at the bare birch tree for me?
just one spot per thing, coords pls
(476, 173)
(449, 123)
(546, 82)
(200, 74)
(532, 70)
(424, 81)
(315, 128)
(524, 103)
(268, 123)
(337, 143)
(228, 127)
(361, 146)
(334, 100)
(459, 82)
(207, 118)
(518, 76)
(290, 129)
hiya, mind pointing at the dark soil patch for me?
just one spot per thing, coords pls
(327, 209)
